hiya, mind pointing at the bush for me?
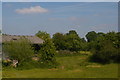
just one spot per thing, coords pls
(47, 54)
(47, 51)
(106, 53)
(116, 56)
(100, 57)
(20, 50)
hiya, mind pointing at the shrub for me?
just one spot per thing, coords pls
(20, 50)
(116, 56)
(47, 51)
(105, 54)
(47, 54)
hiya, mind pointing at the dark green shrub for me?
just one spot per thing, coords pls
(106, 53)
(20, 50)
(100, 57)
(116, 56)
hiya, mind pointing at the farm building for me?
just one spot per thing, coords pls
(34, 40)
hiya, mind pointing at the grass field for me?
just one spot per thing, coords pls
(70, 67)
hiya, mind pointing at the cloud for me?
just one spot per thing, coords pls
(35, 9)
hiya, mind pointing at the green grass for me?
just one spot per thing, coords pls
(70, 67)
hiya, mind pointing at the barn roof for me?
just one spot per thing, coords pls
(32, 39)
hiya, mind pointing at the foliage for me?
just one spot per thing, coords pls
(20, 50)
(91, 36)
(74, 67)
(43, 35)
(59, 41)
(73, 41)
(47, 51)
(69, 41)
(105, 48)
(104, 53)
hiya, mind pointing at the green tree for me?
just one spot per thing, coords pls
(91, 36)
(74, 34)
(117, 43)
(43, 35)
(59, 41)
(73, 41)
(69, 41)
(47, 51)
(113, 37)
(101, 34)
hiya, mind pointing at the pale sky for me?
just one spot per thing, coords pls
(28, 18)
(0, 15)
(60, 0)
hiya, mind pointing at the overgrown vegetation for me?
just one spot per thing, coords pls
(104, 46)
(20, 50)
(70, 67)
(47, 51)
(69, 41)
(100, 47)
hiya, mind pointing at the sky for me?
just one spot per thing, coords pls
(0, 15)
(27, 18)
(60, 0)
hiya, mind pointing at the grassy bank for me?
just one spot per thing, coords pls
(70, 67)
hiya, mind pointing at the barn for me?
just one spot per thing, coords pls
(32, 39)
(35, 41)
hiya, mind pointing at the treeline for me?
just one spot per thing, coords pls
(104, 46)
(69, 41)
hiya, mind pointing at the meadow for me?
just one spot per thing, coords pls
(70, 67)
